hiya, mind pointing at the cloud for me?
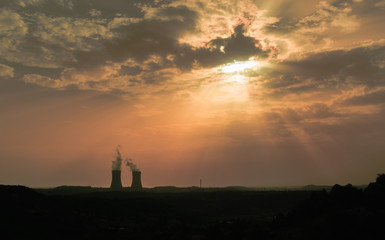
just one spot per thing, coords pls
(371, 98)
(130, 70)
(327, 70)
(52, 41)
(100, 47)
(314, 111)
(237, 47)
(363, 64)
(333, 24)
(25, 3)
(327, 16)
(142, 39)
(43, 81)
(12, 23)
(6, 71)
(49, 42)
(70, 34)
(66, 3)
(13, 27)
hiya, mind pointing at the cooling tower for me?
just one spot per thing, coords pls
(136, 180)
(116, 182)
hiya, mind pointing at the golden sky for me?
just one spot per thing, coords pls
(252, 93)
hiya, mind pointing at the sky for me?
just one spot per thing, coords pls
(254, 93)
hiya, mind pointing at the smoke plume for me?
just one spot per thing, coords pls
(132, 165)
(117, 163)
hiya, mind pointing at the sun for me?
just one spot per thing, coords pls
(237, 66)
(230, 86)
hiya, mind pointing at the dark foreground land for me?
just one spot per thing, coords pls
(93, 213)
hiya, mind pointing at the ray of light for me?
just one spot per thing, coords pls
(239, 66)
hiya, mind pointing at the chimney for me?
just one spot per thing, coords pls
(116, 183)
(136, 180)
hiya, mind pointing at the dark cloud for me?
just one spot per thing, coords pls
(237, 47)
(325, 18)
(78, 8)
(362, 63)
(281, 27)
(332, 69)
(370, 7)
(373, 98)
(141, 40)
(131, 71)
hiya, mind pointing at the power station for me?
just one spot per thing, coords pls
(116, 182)
(136, 180)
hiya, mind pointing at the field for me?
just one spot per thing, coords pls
(167, 213)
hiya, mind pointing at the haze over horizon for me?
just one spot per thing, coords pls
(249, 93)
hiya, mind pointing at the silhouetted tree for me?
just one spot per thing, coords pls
(380, 179)
(345, 195)
(375, 191)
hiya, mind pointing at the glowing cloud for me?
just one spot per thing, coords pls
(238, 67)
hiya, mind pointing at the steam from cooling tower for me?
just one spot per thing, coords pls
(116, 183)
(132, 165)
(117, 163)
(136, 184)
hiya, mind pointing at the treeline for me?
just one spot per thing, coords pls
(345, 212)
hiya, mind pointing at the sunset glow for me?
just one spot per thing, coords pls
(246, 93)
(238, 67)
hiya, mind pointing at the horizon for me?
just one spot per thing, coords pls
(237, 93)
(257, 188)
(127, 184)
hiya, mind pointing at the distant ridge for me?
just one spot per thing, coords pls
(17, 191)
(70, 190)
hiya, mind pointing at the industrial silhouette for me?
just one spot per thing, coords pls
(136, 180)
(116, 183)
